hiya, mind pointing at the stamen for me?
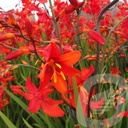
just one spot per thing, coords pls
(36, 62)
(58, 65)
(54, 75)
(62, 74)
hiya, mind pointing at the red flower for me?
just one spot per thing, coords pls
(75, 5)
(42, 1)
(38, 98)
(13, 20)
(80, 80)
(4, 98)
(94, 105)
(122, 114)
(17, 53)
(92, 7)
(28, 27)
(96, 36)
(6, 36)
(97, 104)
(58, 66)
(83, 94)
(115, 71)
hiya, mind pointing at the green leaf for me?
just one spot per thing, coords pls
(6, 120)
(79, 110)
(27, 124)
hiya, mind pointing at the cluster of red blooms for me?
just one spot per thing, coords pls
(5, 76)
(59, 57)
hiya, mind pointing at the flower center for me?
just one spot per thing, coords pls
(54, 66)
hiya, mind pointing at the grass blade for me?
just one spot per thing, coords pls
(6, 120)
(27, 124)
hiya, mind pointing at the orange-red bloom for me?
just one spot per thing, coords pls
(75, 5)
(29, 27)
(12, 20)
(122, 114)
(58, 66)
(6, 36)
(115, 71)
(17, 53)
(96, 36)
(4, 98)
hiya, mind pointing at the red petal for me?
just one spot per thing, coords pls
(51, 109)
(16, 89)
(14, 55)
(85, 73)
(47, 90)
(12, 19)
(30, 86)
(114, 71)
(121, 34)
(25, 49)
(107, 123)
(6, 36)
(97, 104)
(1, 91)
(26, 1)
(60, 85)
(84, 99)
(96, 36)
(52, 51)
(45, 74)
(80, 4)
(69, 8)
(74, 2)
(42, 1)
(28, 96)
(34, 105)
(122, 114)
(28, 27)
(124, 87)
(69, 58)
(69, 71)
(120, 100)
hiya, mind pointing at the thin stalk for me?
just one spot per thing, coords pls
(23, 35)
(98, 48)
(105, 46)
(77, 30)
(56, 26)
(27, 65)
(97, 29)
(12, 67)
(33, 41)
(7, 46)
(78, 40)
(34, 45)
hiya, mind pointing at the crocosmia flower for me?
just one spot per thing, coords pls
(39, 98)
(59, 66)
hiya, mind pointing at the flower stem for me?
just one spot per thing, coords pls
(77, 30)
(56, 26)
(126, 17)
(97, 29)
(34, 45)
